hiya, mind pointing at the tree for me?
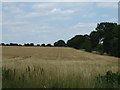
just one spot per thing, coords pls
(56, 44)
(31, 44)
(43, 45)
(26, 44)
(7, 44)
(3, 44)
(87, 45)
(19, 45)
(99, 48)
(38, 44)
(49, 45)
(94, 38)
(13, 44)
(60, 43)
(106, 31)
(76, 41)
(114, 47)
(118, 36)
(105, 28)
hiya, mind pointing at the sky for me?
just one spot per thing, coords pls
(48, 22)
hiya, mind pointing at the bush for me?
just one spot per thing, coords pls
(38, 44)
(49, 45)
(114, 47)
(2, 44)
(31, 44)
(60, 43)
(87, 45)
(110, 80)
(43, 45)
(99, 48)
(76, 42)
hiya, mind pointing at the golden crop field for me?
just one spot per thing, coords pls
(53, 67)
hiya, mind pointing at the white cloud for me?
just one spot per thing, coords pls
(83, 28)
(104, 15)
(111, 20)
(13, 9)
(60, 0)
(44, 9)
(94, 15)
(50, 5)
(55, 11)
(14, 23)
(78, 25)
(40, 6)
(29, 15)
(58, 18)
(107, 5)
(90, 15)
(59, 11)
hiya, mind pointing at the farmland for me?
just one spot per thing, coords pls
(53, 67)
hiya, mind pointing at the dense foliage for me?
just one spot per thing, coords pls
(105, 39)
(60, 43)
(110, 80)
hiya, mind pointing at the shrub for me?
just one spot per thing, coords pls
(38, 44)
(110, 80)
(49, 45)
(60, 43)
(43, 45)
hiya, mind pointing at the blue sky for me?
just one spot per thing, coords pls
(26, 22)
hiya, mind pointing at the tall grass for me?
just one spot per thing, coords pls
(55, 74)
(38, 67)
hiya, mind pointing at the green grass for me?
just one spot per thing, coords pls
(110, 80)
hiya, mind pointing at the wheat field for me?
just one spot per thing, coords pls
(53, 67)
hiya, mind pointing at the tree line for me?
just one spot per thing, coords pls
(26, 44)
(104, 39)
